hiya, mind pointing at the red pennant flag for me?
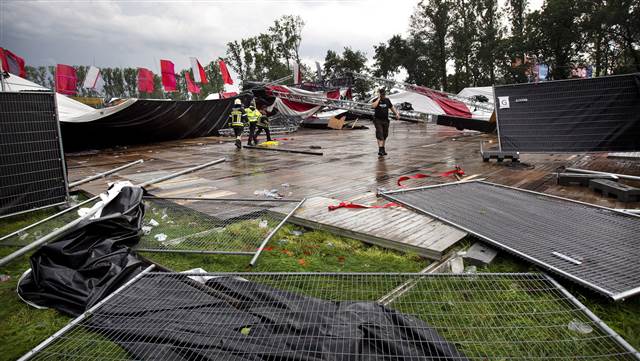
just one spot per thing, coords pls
(145, 81)
(226, 77)
(66, 79)
(12, 63)
(168, 76)
(191, 86)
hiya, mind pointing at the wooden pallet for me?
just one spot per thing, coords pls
(394, 228)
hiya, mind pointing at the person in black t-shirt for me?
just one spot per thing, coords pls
(382, 104)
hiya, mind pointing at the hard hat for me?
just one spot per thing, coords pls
(237, 102)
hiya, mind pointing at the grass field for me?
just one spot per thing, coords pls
(23, 327)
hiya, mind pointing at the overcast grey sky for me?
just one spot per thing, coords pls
(139, 33)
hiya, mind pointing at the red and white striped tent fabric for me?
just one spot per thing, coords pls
(292, 108)
(429, 101)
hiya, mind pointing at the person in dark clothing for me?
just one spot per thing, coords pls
(381, 105)
(237, 119)
(263, 124)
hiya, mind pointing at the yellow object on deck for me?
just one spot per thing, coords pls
(272, 143)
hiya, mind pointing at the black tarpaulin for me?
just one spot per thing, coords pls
(89, 261)
(147, 121)
(171, 317)
(584, 115)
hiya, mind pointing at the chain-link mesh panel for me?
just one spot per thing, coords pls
(580, 115)
(41, 227)
(208, 226)
(339, 317)
(594, 246)
(32, 173)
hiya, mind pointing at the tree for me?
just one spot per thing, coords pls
(464, 43)
(350, 61)
(430, 26)
(490, 34)
(267, 56)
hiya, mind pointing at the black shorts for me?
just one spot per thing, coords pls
(382, 128)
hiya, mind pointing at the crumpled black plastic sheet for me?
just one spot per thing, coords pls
(172, 318)
(90, 260)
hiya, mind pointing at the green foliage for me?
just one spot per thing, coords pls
(267, 56)
(336, 65)
(457, 43)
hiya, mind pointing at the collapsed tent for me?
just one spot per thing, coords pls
(88, 261)
(134, 121)
(293, 108)
(437, 103)
(230, 318)
(144, 121)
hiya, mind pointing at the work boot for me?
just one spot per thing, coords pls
(238, 144)
(381, 151)
(384, 152)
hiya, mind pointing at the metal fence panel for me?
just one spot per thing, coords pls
(584, 115)
(215, 226)
(32, 168)
(200, 316)
(594, 246)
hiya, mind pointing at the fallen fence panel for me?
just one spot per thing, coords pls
(209, 225)
(594, 246)
(484, 316)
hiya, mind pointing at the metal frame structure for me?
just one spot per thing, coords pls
(615, 296)
(104, 174)
(195, 229)
(523, 316)
(418, 89)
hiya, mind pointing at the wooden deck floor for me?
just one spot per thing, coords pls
(349, 170)
(395, 228)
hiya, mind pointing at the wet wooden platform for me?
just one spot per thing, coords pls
(394, 228)
(349, 169)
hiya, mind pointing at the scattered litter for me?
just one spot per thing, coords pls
(153, 223)
(283, 241)
(4, 278)
(245, 331)
(23, 236)
(579, 327)
(471, 269)
(201, 279)
(270, 194)
(302, 262)
(160, 237)
(164, 216)
(146, 229)
(285, 185)
(456, 265)
(329, 244)
(315, 147)
(263, 224)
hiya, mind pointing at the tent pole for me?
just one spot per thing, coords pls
(104, 174)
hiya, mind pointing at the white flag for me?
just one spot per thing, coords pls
(91, 79)
(297, 75)
(196, 70)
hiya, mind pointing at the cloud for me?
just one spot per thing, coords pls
(139, 33)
